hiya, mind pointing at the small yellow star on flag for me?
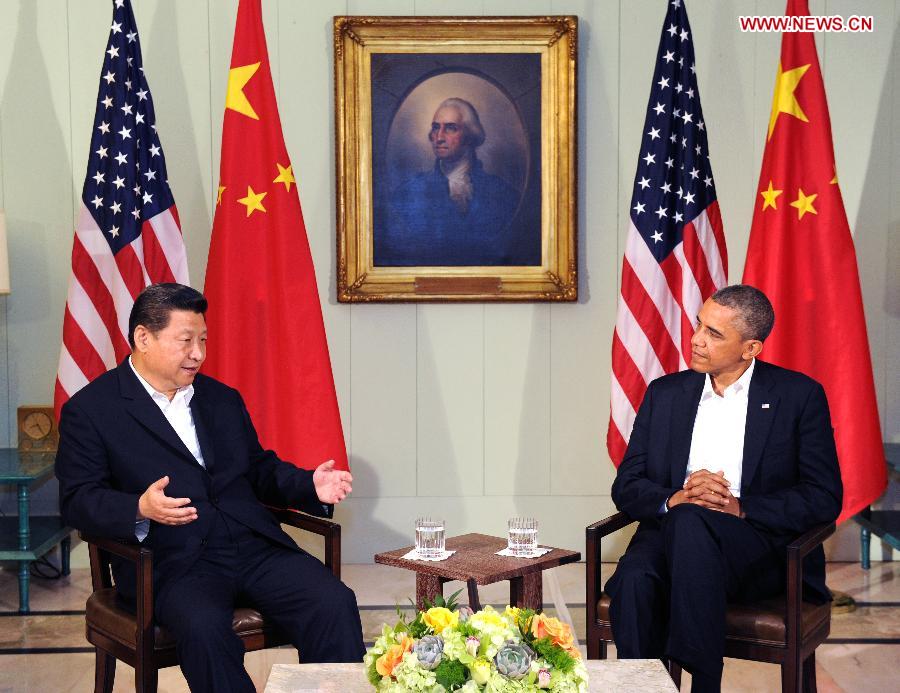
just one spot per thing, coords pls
(769, 197)
(285, 175)
(236, 99)
(253, 201)
(804, 203)
(219, 196)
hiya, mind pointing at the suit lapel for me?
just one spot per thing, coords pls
(684, 411)
(141, 406)
(203, 424)
(762, 404)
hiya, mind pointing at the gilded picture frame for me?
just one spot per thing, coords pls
(455, 143)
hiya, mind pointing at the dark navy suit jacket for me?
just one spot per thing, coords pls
(115, 442)
(790, 479)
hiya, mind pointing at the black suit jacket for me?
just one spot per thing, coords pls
(790, 479)
(115, 442)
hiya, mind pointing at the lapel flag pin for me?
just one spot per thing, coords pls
(765, 406)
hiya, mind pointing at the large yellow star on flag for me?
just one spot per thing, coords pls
(285, 175)
(804, 203)
(784, 100)
(769, 197)
(253, 201)
(236, 99)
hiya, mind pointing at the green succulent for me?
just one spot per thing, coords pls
(514, 660)
(429, 651)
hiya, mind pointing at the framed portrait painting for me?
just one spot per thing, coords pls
(455, 146)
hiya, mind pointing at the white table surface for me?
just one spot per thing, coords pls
(625, 676)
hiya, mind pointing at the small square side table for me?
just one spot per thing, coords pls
(25, 539)
(476, 563)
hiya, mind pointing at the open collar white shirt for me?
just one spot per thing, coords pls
(179, 415)
(717, 442)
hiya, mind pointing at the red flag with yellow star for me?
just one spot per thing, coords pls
(267, 337)
(801, 255)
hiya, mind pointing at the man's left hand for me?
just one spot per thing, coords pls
(332, 485)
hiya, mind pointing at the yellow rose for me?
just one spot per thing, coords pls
(487, 618)
(559, 633)
(438, 618)
(480, 670)
(386, 663)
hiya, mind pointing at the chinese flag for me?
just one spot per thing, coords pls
(801, 255)
(267, 338)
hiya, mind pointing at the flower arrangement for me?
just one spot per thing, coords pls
(455, 649)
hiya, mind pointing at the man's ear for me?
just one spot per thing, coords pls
(141, 338)
(752, 349)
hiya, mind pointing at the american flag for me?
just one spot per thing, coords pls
(675, 254)
(127, 235)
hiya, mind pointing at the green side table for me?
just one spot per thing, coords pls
(25, 538)
(884, 524)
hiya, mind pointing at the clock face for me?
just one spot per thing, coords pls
(37, 425)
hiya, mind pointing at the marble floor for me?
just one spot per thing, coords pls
(46, 650)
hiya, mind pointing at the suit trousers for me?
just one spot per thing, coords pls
(291, 589)
(669, 592)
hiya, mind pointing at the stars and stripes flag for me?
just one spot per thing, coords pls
(127, 235)
(675, 255)
(801, 255)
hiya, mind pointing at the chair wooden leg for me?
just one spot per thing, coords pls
(596, 648)
(790, 676)
(104, 671)
(809, 674)
(145, 678)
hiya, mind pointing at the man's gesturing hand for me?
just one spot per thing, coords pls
(155, 505)
(332, 485)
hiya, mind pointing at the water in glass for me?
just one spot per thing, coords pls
(429, 537)
(522, 536)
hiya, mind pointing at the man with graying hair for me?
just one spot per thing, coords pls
(727, 463)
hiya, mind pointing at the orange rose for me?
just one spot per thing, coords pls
(386, 663)
(559, 633)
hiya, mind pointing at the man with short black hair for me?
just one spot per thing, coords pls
(155, 451)
(726, 464)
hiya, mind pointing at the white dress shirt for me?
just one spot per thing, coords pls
(178, 413)
(717, 442)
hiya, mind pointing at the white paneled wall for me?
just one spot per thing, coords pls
(474, 412)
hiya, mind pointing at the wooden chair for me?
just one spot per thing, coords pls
(784, 630)
(133, 637)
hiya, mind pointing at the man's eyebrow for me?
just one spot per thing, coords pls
(711, 329)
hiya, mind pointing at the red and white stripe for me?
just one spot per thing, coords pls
(657, 312)
(102, 289)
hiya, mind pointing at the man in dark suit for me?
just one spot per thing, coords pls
(726, 464)
(157, 452)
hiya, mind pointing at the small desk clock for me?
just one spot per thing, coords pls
(38, 431)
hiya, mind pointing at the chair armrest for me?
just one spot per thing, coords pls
(796, 551)
(611, 524)
(805, 543)
(142, 557)
(327, 529)
(593, 534)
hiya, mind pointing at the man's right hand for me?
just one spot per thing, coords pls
(704, 488)
(155, 505)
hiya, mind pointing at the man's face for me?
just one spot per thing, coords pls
(170, 359)
(447, 134)
(717, 345)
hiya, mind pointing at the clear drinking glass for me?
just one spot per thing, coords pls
(429, 537)
(522, 536)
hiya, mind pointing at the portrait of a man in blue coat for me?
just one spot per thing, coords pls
(456, 213)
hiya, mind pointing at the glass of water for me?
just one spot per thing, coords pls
(522, 536)
(429, 537)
